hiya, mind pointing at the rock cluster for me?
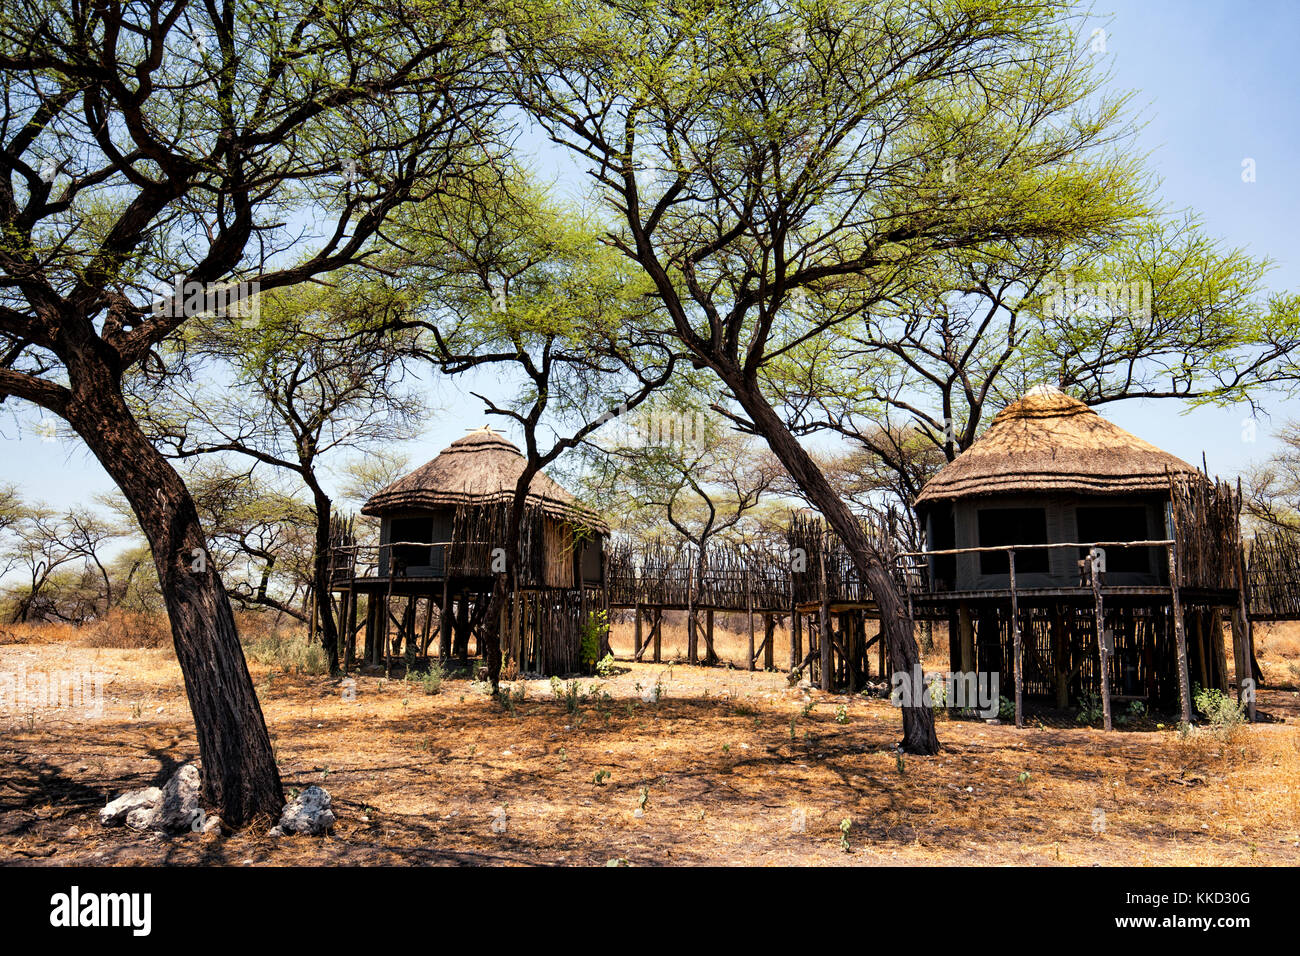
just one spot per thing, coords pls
(172, 808)
(309, 813)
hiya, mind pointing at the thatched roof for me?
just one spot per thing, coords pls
(1050, 442)
(479, 469)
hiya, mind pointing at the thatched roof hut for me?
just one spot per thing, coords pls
(1050, 470)
(1048, 441)
(480, 469)
(447, 517)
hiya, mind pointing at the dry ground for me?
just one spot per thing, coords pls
(728, 762)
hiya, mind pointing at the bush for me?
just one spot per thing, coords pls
(430, 679)
(1090, 709)
(128, 629)
(288, 654)
(605, 666)
(1220, 709)
(594, 629)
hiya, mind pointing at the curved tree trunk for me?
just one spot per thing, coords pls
(240, 778)
(918, 721)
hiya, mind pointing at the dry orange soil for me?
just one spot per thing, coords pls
(727, 767)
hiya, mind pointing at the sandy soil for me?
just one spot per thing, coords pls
(726, 767)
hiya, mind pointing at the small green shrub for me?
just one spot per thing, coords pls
(1090, 709)
(1220, 709)
(431, 679)
(605, 666)
(594, 629)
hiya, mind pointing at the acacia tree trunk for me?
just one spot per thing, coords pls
(240, 778)
(321, 580)
(508, 582)
(918, 721)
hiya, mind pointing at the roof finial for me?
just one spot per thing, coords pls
(1046, 389)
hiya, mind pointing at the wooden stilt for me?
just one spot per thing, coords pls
(749, 604)
(1016, 650)
(636, 635)
(1103, 653)
(824, 620)
(350, 641)
(426, 632)
(966, 634)
(796, 638)
(1180, 637)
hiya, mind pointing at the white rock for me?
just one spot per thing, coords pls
(180, 800)
(115, 811)
(309, 813)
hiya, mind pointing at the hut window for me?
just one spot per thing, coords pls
(943, 537)
(1002, 526)
(1116, 524)
(412, 529)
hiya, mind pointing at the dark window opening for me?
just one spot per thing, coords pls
(1000, 526)
(415, 530)
(1116, 524)
(943, 537)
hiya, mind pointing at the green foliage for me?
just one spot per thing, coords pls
(569, 694)
(1006, 708)
(594, 630)
(1221, 711)
(605, 666)
(1090, 709)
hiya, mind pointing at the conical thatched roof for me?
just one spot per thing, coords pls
(479, 469)
(1050, 442)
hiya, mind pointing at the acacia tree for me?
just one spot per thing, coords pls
(681, 469)
(319, 374)
(529, 292)
(1160, 311)
(755, 158)
(168, 139)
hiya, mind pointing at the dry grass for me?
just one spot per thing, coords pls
(728, 761)
(1277, 647)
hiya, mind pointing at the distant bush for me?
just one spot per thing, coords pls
(288, 653)
(128, 629)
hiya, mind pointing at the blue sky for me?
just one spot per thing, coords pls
(1216, 83)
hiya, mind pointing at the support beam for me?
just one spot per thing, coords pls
(749, 604)
(1018, 657)
(824, 620)
(1180, 637)
(966, 633)
(636, 635)
(1103, 655)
